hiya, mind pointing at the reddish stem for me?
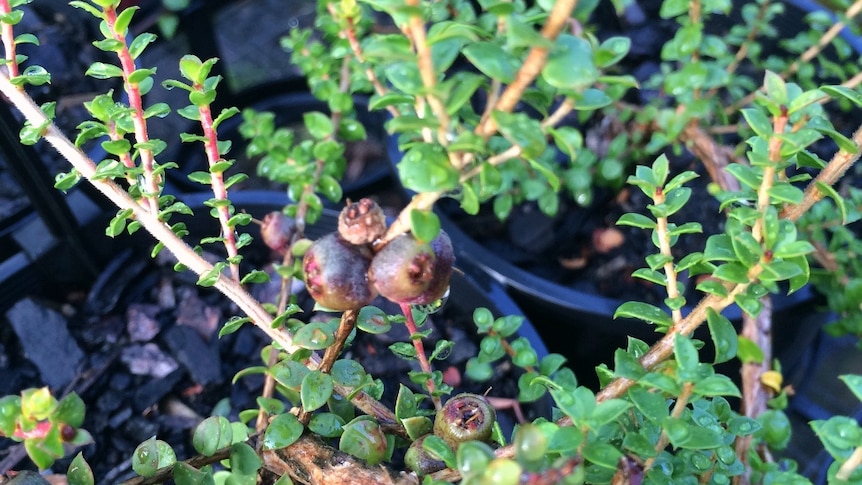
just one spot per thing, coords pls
(9, 41)
(217, 183)
(407, 310)
(151, 188)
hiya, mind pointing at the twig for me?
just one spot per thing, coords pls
(830, 174)
(424, 363)
(416, 28)
(754, 395)
(532, 65)
(678, 408)
(849, 466)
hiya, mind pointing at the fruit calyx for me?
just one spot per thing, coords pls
(361, 222)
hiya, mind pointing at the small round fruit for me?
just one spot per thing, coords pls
(465, 417)
(276, 230)
(403, 269)
(336, 274)
(444, 262)
(420, 461)
(362, 222)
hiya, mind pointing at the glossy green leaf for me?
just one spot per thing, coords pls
(79, 472)
(492, 60)
(425, 225)
(684, 435)
(523, 131)
(644, 311)
(151, 455)
(776, 88)
(346, 372)
(723, 336)
(843, 92)
(627, 365)
(426, 168)
(716, 385)
(652, 405)
(212, 434)
(316, 390)
(185, 474)
(315, 336)
(602, 454)
(686, 357)
(70, 410)
(289, 373)
(570, 64)
(636, 220)
(364, 439)
(282, 431)
(732, 272)
(328, 425)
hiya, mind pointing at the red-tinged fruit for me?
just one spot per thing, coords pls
(362, 222)
(276, 231)
(336, 274)
(444, 262)
(403, 269)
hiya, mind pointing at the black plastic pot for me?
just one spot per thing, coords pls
(289, 101)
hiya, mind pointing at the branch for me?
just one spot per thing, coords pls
(533, 64)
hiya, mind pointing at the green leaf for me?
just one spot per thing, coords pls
(232, 325)
(100, 70)
(426, 168)
(185, 474)
(570, 64)
(425, 225)
(748, 351)
(746, 175)
(364, 439)
(684, 435)
(316, 390)
(318, 124)
(523, 131)
(723, 336)
(612, 51)
(784, 192)
(244, 460)
(348, 373)
(328, 425)
(627, 365)
(686, 357)
(282, 431)
(315, 336)
(212, 434)
(851, 95)
(609, 410)
(716, 385)
(652, 404)
(776, 88)
(492, 60)
(391, 98)
(854, 382)
(578, 404)
(746, 248)
(151, 455)
(644, 311)
(79, 472)
(602, 454)
(636, 220)
(732, 272)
